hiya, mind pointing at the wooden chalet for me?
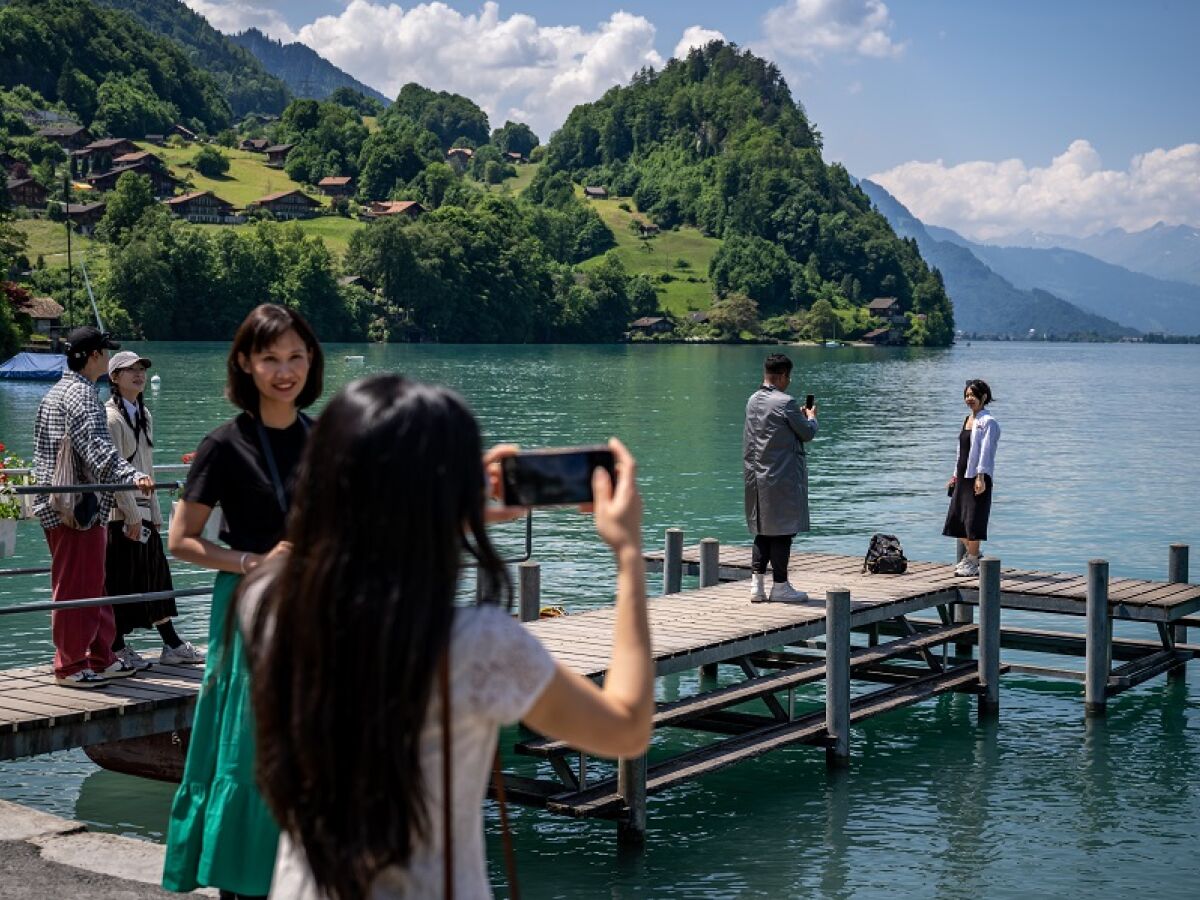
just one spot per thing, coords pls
(651, 325)
(204, 207)
(382, 209)
(888, 309)
(186, 133)
(337, 185)
(594, 192)
(86, 216)
(162, 183)
(27, 192)
(112, 147)
(254, 145)
(156, 139)
(68, 136)
(880, 336)
(277, 154)
(459, 157)
(647, 229)
(514, 157)
(45, 312)
(291, 204)
(141, 156)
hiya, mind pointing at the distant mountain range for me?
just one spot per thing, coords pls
(1131, 298)
(1164, 251)
(306, 72)
(985, 303)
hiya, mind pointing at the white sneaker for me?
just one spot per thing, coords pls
(758, 592)
(133, 659)
(968, 567)
(85, 679)
(783, 592)
(119, 669)
(185, 654)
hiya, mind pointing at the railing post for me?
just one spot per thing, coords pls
(631, 785)
(1099, 639)
(673, 562)
(710, 574)
(1177, 573)
(837, 678)
(964, 614)
(989, 636)
(529, 590)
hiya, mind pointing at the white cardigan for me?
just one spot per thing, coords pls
(984, 438)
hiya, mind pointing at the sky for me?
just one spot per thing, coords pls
(1068, 117)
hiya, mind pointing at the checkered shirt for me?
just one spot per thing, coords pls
(73, 407)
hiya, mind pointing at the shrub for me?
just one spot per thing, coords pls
(210, 162)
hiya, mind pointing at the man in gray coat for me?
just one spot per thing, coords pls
(776, 471)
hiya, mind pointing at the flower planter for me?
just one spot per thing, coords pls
(8, 537)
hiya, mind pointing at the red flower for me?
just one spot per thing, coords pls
(189, 457)
(2, 448)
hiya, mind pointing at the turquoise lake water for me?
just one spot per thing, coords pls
(1097, 459)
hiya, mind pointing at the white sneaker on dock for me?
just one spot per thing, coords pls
(133, 659)
(968, 567)
(185, 654)
(783, 592)
(119, 669)
(758, 591)
(84, 679)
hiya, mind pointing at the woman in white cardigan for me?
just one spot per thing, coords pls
(970, 487)
(135, 562)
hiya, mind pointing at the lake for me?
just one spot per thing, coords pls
(1097, 459)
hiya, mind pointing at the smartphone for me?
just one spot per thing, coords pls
(144, 534)
(556, 477)
(810, 401)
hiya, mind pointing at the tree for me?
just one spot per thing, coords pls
(448, 116)
(755, 267)
(821, 321)
(128, 201)
(210, 162)
(734, 314)
(515, 137)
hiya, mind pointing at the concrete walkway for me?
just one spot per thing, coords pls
(46, 856)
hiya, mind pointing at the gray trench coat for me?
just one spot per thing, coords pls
(775, 464)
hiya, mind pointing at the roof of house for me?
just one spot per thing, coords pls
(79, 209)
(647, 321)
(279, 195)
(280, 148)
(335, 180)
(14, 183)
(882, 303)
(595, 190)
(699, 316)
(187, 198)
(182, 130)
(107, 143)
(141, 167)
(257, 142)
(394, 207)
(67, 130)
(43, 308)
(135, 157)
(465, 151)
(878, 332)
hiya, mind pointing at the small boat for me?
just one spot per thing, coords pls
(833, 344)
(34, 367)
(354, 359)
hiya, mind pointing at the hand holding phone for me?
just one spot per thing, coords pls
(810, 401)
(555, 477)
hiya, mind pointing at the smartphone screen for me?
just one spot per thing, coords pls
(559, 477)
(810, 401)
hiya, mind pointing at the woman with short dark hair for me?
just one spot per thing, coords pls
(970, 487)
(221, 833)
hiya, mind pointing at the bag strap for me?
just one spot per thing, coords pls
(510, 857)
(447, 780)
(269, 457)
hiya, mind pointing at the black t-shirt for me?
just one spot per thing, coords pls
(230, 470)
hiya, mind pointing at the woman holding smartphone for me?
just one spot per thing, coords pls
(135, 562)
(970, 487)
(221, 834)
(355, 734)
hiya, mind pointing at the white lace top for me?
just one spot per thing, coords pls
(497, 670)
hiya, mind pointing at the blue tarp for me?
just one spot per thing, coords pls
(34, 367)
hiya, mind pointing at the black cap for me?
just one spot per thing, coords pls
(88, 339)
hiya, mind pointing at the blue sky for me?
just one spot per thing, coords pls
(934, 97)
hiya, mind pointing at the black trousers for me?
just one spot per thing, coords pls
(230, 895)
(775, 549)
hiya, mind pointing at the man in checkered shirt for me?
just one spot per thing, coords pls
(82, 637)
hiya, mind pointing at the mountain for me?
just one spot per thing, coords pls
(1131, 298)
(985, 303)
(1170, 252)
(306, 72)
(247, 85)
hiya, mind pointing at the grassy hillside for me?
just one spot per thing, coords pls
(516, 185)
(49, 240)
(248, 177)
(680, 254)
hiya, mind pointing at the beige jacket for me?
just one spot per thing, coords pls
(131, 506)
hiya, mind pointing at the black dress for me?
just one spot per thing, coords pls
(967, 517)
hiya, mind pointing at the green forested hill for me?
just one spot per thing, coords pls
(247, 85)
(109, 70)
(718, 142)
(306, 72)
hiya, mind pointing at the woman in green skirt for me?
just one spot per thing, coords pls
(221, 834)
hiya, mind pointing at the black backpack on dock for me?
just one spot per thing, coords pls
(885, 556)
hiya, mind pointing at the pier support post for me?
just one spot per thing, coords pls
(1099, 640)
(673, 562)
(1177, 573)
(837, 678)
(710, 574)
(964, 614)
(631, 785)
(989, 636)
(529, 590)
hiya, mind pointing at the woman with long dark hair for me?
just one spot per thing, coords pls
(970, 487)
(135, 562)
(360, 653)
(221, 834)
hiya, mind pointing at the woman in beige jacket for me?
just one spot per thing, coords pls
(136, 562)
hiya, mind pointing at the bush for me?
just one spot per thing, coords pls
(210, 162)
(682, 263)
(625, 206)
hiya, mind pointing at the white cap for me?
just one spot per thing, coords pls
(124, 360)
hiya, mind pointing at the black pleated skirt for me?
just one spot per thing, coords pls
(131, 567)
(967, 517)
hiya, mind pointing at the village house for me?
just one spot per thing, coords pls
(140, 156)
(357, 281)
(514, 157)
(162, 184)
(698, 318)
(254, 145)
(68, 136)
(156, 139)
(592, 192)
(186, 133)
(45, 312)
(204, 207)
(291, 204)
(459, 158)
(12, 165)
(337, 185)
(86, 216)
(651, 325)
(647, 229)
(112, 147)
(27, 192)
(888, 309)
(382, 208)
(277, 155)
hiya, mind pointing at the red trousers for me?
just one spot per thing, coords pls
(83, 638)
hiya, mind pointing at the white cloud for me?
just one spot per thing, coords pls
(1074, 195)
(695, 36)
(232, 16)
(811, 29)
(512, 67)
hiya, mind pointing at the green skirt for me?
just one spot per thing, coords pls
(221, 833)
